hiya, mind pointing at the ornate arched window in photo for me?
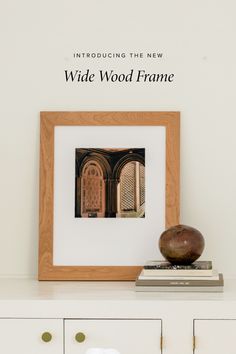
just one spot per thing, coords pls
(109, 183)
(92, 190)
(131, 191)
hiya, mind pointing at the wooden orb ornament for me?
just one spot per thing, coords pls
(181, 244)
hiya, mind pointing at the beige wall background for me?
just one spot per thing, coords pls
(197, 38)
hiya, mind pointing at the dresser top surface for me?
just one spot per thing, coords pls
(31, 289)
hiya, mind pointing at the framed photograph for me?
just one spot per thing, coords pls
(109, 186)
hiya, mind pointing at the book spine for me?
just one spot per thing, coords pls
(159, 265)
(184, 283)
(177, 272)
(206, 289)
(179, 283)
(215, 276)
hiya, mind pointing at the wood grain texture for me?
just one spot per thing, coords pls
(171, 120)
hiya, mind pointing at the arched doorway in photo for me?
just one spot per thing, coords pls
(110, 183)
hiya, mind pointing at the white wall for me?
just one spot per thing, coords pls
(197, 38)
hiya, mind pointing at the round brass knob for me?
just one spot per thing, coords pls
(46, 337)
(80, 337)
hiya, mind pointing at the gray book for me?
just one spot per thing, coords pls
(208, 282)
(202, 289)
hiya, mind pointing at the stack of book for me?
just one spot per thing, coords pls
(164, 276)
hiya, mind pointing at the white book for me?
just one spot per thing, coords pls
(214, 276)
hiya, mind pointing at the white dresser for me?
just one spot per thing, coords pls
(79, 317)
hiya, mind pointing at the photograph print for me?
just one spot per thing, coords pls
(110, 183)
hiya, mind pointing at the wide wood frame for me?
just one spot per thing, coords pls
(49, 120)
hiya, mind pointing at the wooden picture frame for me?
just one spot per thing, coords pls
(47, 270)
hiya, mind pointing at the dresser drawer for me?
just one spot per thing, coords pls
(27, 336)
(215, 336)
(126, 336)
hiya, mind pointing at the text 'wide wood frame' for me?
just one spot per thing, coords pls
(49, 120)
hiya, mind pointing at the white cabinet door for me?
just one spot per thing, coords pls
(215, 336)
(24, 336)
(123, 336)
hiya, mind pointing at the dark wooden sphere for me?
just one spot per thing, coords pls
(181, 244)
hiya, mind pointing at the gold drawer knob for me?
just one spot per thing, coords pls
(80, 337)
(46, 337)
